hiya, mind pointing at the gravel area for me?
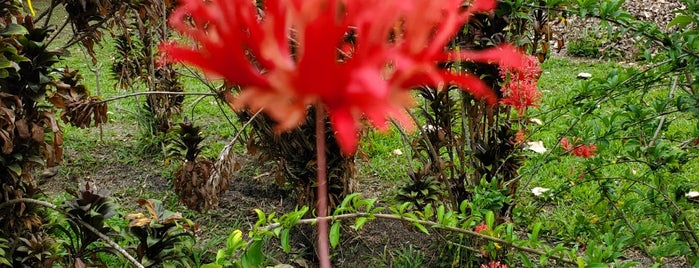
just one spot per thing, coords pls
(626, 46)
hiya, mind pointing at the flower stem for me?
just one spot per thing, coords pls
(322, 190)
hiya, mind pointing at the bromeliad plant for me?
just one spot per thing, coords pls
(193, 183)
(92, 206)
(164, 237)
(294, 152)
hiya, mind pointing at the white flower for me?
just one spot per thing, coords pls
(537, 191)
(584, 76)
(428, 128)
(692, 194)
(536, 121)
(536, 146)
(397, 152)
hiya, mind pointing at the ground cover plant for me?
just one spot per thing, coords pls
(497, 172)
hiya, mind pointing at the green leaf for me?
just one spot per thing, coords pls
(261, 217)
(681, 21)
(253, 257)
(221, 256)
(489, 219)
(14, 29)
(429, 212)
(348, 199)
(421, 227)
(463, 206)
(284, 237)
(234, 239)
(360, 222)
(335, 234)
(525, 260)
(16, 169)
(535, 231)
(4, 62)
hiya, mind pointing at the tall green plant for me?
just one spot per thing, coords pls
(464, 140)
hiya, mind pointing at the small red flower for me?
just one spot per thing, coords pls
(295, 53)
(494, 264)
(481, 228)
(520, 90)
(581, 150)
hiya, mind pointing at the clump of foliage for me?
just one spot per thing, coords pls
(588, 45)
(29, 134)
(137, 62)
(164, 237)
(421, 190)
(635, 147)
(294, 153)
(91, 206)
(464, 140)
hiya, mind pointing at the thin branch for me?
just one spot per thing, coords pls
(664, 117)
(81, 222)
(48, 13)
(158, 93)
(406, 143)
(57, 33)
(213, 89)
(425, 223)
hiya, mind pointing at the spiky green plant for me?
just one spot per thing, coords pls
(294, 153)
(94, 207)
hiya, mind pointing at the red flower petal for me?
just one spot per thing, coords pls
(290, 55)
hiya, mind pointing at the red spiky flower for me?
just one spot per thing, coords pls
(577, 149)
(294, 53)
(520, 90)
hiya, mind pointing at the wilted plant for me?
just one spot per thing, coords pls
(79, 108)
(35, 250)
(164, 237)
(192, 180)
